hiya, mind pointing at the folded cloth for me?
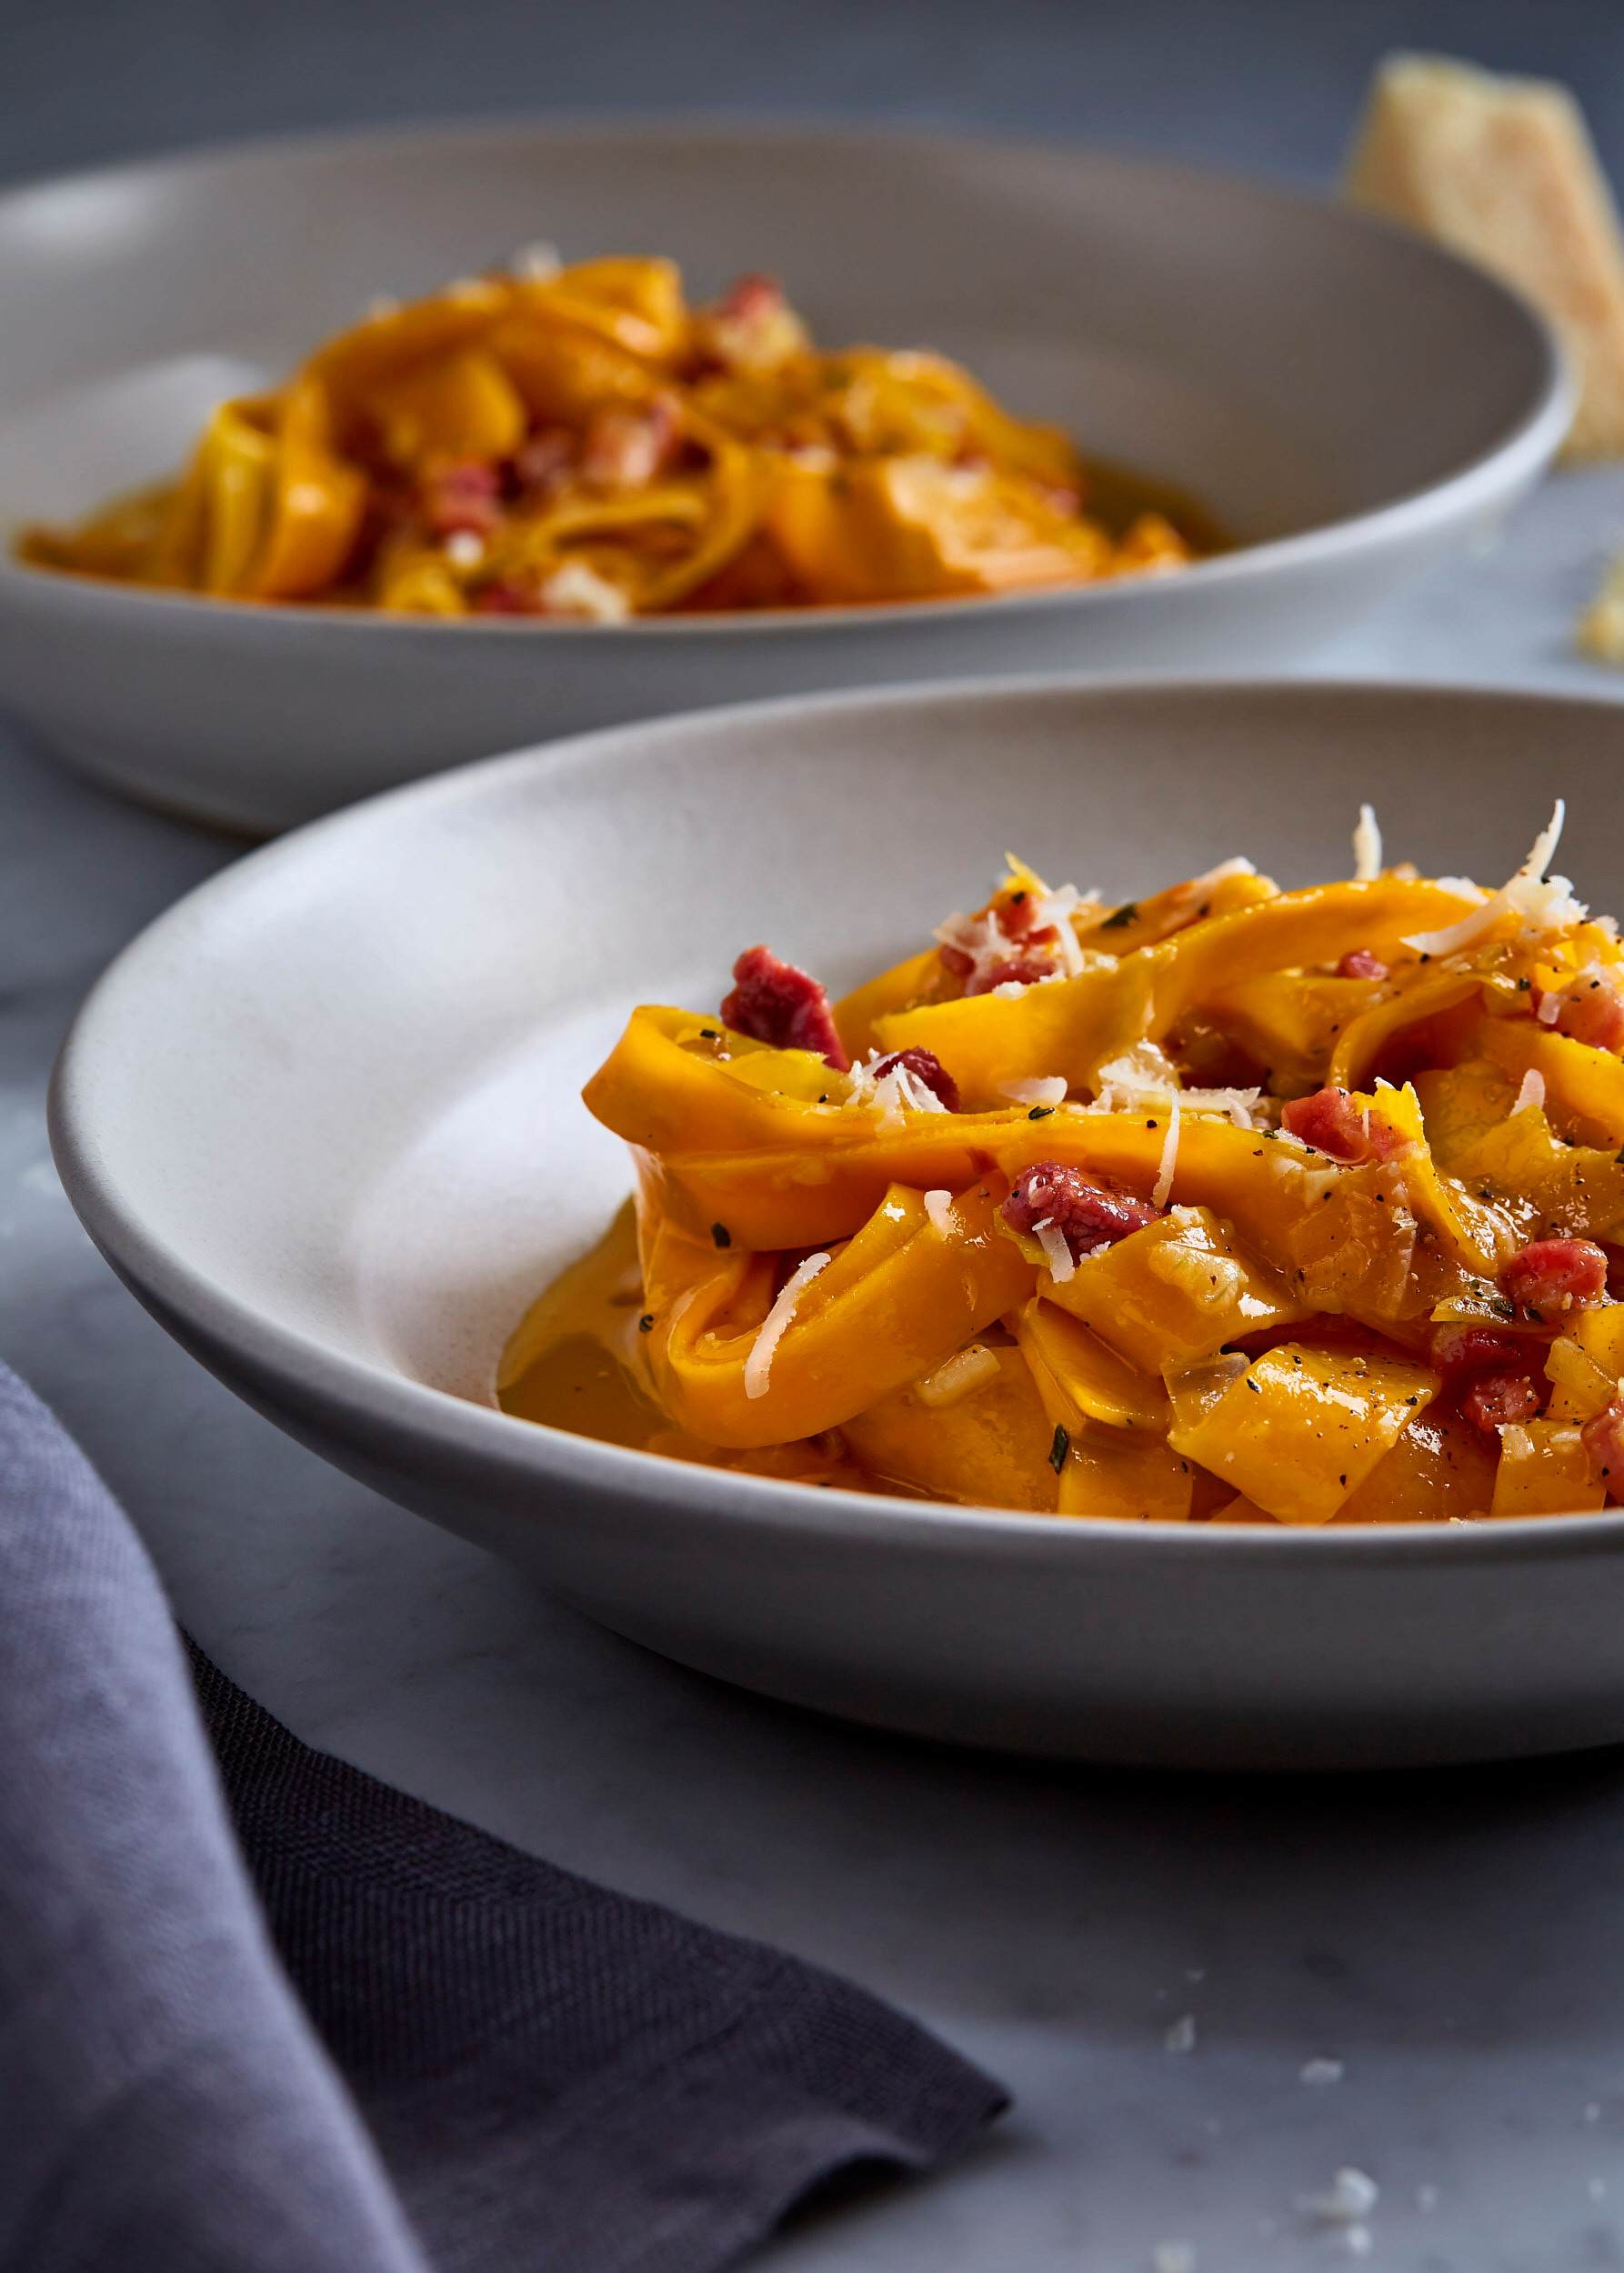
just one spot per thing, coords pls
(542, 2077)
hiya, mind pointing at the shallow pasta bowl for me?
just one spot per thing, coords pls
(1349, 402)
(324, 1118)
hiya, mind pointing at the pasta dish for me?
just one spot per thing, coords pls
(1227, 1204)
(580, 442)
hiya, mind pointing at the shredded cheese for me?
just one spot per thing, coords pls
(1170, 1157)
(1238, 867)
(1050, 1090)
(578, 589)
(1367, 848)
(1532, 1092)
(1543, 905)
(896, 1091)
(1550, 1010)
(982, 939)
(1144, 1075)
(938, 1208)
(536, 264)
(1239, 1105)
(988, 945)
(1052, 1240)
(759, 1364)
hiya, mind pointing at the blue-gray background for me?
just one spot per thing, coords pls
(1270, 84)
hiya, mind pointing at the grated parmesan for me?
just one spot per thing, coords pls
(986, 944)
(1238, 867)
(759, 1364)
(1052, 1240)
(1169, 1160)
(578, 589)
(938, 1208)
(1239, 1105)
(1048, 1089)
(1532, 1092)
(536, 264)
(1367, 848)
(1544, 904)
(1550, 1010)
(898, 1090)
(979, 937)
(1145, 1074)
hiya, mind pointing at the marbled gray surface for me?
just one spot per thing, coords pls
(1455, 1941)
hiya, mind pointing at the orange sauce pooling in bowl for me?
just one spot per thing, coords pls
(574, 1364)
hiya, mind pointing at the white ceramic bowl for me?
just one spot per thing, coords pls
(323, 1118)
(1350, 401)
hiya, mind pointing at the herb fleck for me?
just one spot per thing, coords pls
(645, 1323)
(721, 1234)
(1121, 917)
(709, 1033)
(1253, 1386)
(1040, 1112)
(1059, 1450)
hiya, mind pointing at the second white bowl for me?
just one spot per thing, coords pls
(1349, 402)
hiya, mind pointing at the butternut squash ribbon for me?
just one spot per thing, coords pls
(1302, 1162)
(584, 444)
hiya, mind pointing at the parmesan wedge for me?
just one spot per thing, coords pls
(1502, 171)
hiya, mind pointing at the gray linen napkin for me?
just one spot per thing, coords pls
(522, 2072)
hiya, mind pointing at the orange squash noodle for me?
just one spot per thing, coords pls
(585, 445)
(1228, 1203)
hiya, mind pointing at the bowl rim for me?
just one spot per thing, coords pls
(1524, 447)
(199, 1310)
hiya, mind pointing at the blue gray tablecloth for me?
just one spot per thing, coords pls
(361, 2037)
